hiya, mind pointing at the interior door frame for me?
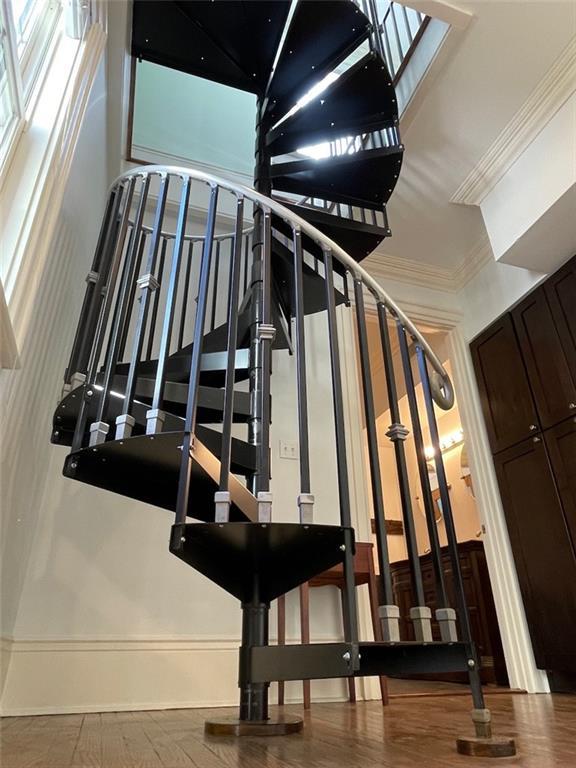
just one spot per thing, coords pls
(522, 671)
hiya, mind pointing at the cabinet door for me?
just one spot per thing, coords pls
(507, 402)
(550, 377)
(561, 294)
(561, 444)
(543, 553)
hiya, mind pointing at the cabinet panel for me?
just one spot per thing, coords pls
(561, 444)
(507, 403)
(544, 558)
(561, 294)
(549, 374)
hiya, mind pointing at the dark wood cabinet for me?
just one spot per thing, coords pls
(507, 402)
(525, 364)
(549, 373)
(561, 444)
(543, 552)
(560, 291)
(478, 597)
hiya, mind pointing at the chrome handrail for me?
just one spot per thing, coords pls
(441, 384)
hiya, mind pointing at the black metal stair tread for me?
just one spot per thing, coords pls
(146, 468)
(283, 276)
(329, 660)
(272, 558)
(357, 238)
(235, 25)
(164, 32)
(361, 100)
(243, 455)
(317, 40)
(212, 367)
(366, 178)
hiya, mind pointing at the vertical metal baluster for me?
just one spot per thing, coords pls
(396, 33)
(156, 300)
(347, 301)
(387, 47)
(363, 215)
(389, 612)
(148, 285)
(122, 308)
(222, 495)
(338, 209)
(463, 615)
(428, 502)
(373, 212)
(266, 334)
(305, 498)
(99, 429)
(215, 286)
(185, 293)
(126, 329)
(98, 319)
(420, 614)
(195, 363)
(407, 24)
(246, 263)
(349, 592)
(156, 417)
(78, 362)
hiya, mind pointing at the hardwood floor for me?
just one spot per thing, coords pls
(408, 733)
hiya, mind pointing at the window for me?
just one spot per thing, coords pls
(27, 28)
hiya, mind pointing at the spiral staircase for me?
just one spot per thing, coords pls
(172, 356)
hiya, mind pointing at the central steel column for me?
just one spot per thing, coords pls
(255, 614)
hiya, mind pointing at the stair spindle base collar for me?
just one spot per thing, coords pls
(276, 725)
(446, 618)
(155, 419)
(222, 506)
(390, 621)
(98, 432)
(264, 500)
(124, 426)
(484, 744)
(421, 617)
(306, 507)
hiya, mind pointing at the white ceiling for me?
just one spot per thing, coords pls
(483, 78)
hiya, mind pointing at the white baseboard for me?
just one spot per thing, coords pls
(83, 676)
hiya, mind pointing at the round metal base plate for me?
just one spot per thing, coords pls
(496, 746)
(277, 725)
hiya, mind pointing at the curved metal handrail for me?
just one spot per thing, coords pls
(441, 385)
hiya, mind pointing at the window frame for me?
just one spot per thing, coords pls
(25, 68)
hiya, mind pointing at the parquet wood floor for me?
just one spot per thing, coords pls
(410, 732)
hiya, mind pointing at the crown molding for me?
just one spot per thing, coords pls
(546, 99)
(469, 267)
(386, 267)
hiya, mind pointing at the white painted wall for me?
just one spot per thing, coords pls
(29, 393)
(529, 213)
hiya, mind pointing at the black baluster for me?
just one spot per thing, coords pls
(148, 285)
(222, 497)
(155, 417)
(215, 286)
(186, 291)
(458, 582)
(121, 310)
(156, 300)
(427, 500)
(349, 593)
(126, 329)
(389, 612)
(194, 381)
(99, 429)
(305, 499)
(98, 316)
(397, 433)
